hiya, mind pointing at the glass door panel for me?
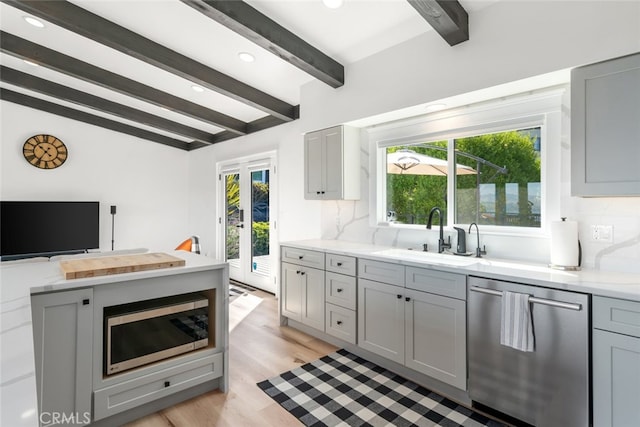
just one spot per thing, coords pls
(233, 222)
(260, 260)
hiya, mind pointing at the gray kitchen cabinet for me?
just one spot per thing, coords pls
(341, 289)
(616, 362)
(62, 335)
(147, 388)
(303, 294)
(605, 128)
(435, 337)
(381, 319)
(418, 325)
(332, 164)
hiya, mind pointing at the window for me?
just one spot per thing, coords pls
(480, 167)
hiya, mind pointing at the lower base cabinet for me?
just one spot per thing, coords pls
(130, 394)
(340, 322)
(303, 295)
(616, 363)
(62, 333)
(423, 331)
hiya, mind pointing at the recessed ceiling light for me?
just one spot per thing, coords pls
(246, 57)
(197, 88)
(33, 64)
(332, 4)
(33, 21)
(435, 107)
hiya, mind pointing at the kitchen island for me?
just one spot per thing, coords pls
(101, 399)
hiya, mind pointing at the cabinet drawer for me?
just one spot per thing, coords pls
(341, 323)
(340, 264)
(379, 271)
(303, 257)
(437, 282)
(341, 290)
(132, 393)
(616, 315)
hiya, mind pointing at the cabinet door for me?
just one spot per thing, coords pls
(62, 334)
(313, 165)
(333, 163)
(616, 379)
(381, 319)
(291, 291)
(313, 298)
(605, 106)
(435, 337)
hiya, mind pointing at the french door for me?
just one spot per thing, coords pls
(245, 215)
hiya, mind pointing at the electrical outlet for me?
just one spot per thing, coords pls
(602, 233)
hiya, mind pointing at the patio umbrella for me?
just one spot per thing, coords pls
(408, 162)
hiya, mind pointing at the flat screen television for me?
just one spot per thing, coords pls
(48, 228)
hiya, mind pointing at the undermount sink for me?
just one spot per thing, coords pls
(429, 257)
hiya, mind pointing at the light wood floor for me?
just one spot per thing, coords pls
(258, 349)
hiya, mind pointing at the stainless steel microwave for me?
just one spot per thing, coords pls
(143, 332)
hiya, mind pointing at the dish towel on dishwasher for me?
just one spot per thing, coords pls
(516, 328)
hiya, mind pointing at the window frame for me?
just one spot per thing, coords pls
(542, 108)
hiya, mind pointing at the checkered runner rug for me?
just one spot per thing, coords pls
(342, 389)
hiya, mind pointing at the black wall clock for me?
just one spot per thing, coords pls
(45, 151)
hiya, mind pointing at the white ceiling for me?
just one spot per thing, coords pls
(358, 29)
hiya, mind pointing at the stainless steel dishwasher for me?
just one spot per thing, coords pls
(547, 387)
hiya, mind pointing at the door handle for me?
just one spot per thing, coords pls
(407, 299)
(339, 290)
(399, 296)
(240, 226)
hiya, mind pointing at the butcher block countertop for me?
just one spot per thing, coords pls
(103, 266)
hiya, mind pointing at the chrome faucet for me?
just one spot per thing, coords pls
(479, 252)
(441, 243)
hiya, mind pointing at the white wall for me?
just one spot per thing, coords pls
(509, 41)
(145, 180)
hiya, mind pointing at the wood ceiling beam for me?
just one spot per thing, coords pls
(243, 19)
(65, 64)
(59, 110)
(94, 27)
(447, 17)
(28, 81)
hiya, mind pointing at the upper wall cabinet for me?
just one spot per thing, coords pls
(605, 128)
(332, 164)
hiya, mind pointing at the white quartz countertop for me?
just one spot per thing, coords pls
(595, 282)
(18, 281)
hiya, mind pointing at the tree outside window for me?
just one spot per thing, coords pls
(497, 181)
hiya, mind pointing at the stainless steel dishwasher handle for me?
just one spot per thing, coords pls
(543, 301)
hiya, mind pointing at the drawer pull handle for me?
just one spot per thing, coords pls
(339, 290)
(339, 322)
(297, 271)
(302, 273)
(398, 296)
(407, 299)
(86, 301)
(167, 383)
(339, 264)
(300, 256)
